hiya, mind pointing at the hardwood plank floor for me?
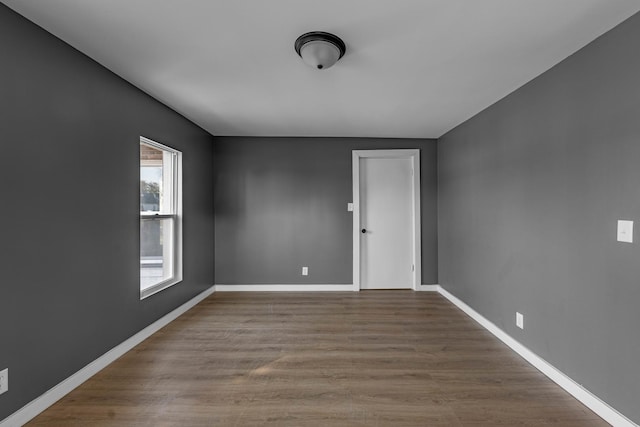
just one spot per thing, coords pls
(374, 358)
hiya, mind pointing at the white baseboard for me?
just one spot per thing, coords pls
(284, 288)
(36, 406)
(302, 288)
(428, 288)
(587, 398)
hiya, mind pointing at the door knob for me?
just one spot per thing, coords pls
(364, 230)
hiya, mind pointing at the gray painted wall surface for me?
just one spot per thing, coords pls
(281, 203)
(529, 194)
(69, 134)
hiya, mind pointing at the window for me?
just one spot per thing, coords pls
(160, 217)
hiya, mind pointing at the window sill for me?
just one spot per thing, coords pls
(152, 290)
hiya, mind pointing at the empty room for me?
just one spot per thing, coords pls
(319, 213)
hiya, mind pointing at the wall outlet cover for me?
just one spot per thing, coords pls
(305, 271)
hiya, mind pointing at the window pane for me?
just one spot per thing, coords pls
(156, 180)
(156, 251)
(150, 184)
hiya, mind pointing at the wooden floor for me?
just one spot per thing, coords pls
(374, 358)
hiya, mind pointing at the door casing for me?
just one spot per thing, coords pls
(414, 156)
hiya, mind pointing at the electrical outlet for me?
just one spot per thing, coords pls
(305, 271)
(519, 320)
(4, 380)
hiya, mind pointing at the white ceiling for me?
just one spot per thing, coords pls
(413, 68)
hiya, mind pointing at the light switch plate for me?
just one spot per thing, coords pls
(350, 207)
(4, 380)
(519, 320)
(625, 231)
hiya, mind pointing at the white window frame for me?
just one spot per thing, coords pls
(172, 186)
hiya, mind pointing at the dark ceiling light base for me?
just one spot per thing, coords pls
(319, 49)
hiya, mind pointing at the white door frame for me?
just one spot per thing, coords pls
(414, 156)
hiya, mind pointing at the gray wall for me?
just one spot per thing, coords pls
(281, 203)
(529, 194)
(69, 131)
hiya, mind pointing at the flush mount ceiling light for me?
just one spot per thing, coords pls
(319, 49)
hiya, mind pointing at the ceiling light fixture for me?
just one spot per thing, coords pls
(319, 49)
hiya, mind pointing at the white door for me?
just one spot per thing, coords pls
(386, 223)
